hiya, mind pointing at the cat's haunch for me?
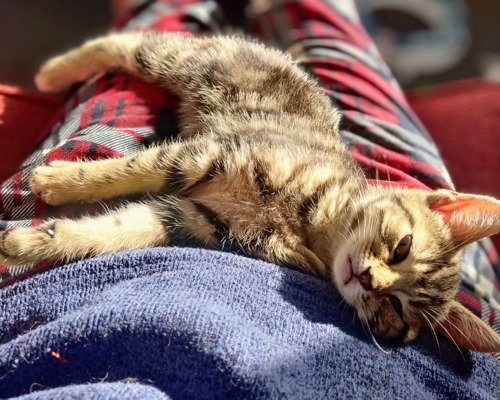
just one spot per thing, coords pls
(260, 166)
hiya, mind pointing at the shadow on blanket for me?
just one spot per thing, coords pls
(323, 305)
(191, 323)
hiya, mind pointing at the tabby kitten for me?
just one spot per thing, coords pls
(260, 166)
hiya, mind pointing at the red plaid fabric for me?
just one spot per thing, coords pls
(119, 114)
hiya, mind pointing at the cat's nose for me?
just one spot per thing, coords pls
(365, 278)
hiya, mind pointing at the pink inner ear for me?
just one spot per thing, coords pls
(458, 203)
(467, 213)
(466, 204)
(467, 330)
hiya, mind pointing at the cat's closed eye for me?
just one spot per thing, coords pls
(396, 304)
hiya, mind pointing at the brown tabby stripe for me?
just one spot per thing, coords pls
(171, 215)
(311, 202)
(445, 282)
(215, 168)
(221, 229)
(163, 158)
(390, 240)
(419, 303)
(425, 299)
(449, 282)
(428, 302)
(408, 214)
(176, 175)
(262, 180)
(257, 244)
(205, 104)
(297, 173)
(422, 282)
(435, 264)
(143, 61)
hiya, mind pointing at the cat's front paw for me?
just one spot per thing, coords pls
(55, 183)
(25, 245)
(53, 77)
(4, 257)
(48, 80)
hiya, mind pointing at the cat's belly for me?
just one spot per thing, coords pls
(246, 212)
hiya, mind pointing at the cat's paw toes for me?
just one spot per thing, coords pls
(26, 245)
(4, 256)
(43, 83)
(7, 250)
(50, 183)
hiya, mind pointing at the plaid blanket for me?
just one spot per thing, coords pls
(117, 114)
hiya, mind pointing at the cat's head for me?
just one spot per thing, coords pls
(399, 263)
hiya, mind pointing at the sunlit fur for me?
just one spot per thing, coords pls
(260, 167)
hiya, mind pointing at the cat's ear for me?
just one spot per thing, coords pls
(470, 217)
(468, 331)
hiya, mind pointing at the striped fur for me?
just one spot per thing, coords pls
(259, 167)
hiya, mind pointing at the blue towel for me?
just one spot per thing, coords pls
(190, 323)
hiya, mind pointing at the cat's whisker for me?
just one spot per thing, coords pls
(431, 328)
(447, 331)
(343, 236)
(346, 305)
(374, 340)
(349, 232)
(105, 206)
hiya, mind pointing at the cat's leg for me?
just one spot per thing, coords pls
(115, 51)
(164, 58)
(180, 63)
(62, 182)
(136, 225)
(173, 167)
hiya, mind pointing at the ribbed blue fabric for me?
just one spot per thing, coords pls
(190, 323)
